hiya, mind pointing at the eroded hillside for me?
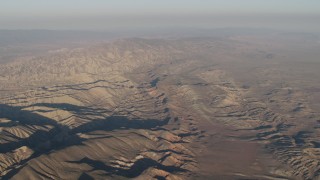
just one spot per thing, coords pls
(191, 108)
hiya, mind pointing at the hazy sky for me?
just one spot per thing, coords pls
(111, 14)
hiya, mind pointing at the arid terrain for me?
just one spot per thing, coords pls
(236, 106)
